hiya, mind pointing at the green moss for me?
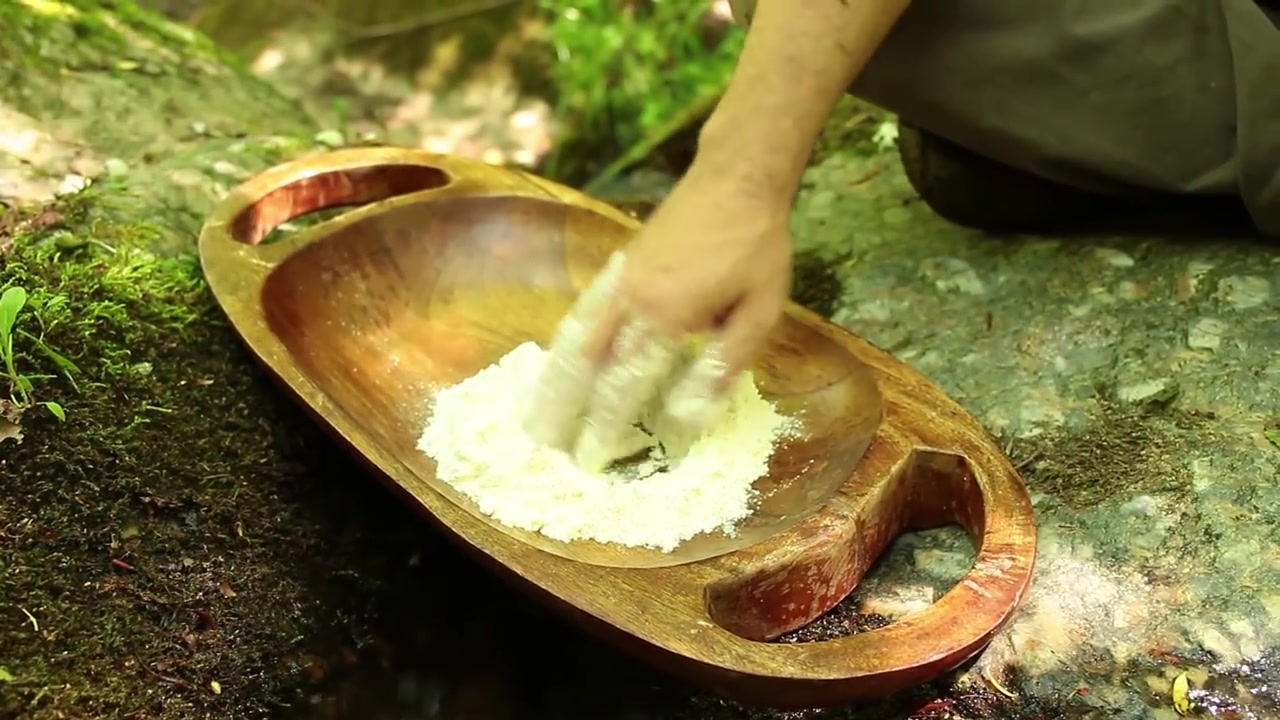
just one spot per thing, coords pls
(103, 286)
(122, 536)
(185, 524)
(129, 84)
(91, 35)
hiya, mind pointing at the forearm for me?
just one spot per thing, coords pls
(798, 59)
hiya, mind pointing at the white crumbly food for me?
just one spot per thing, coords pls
(683, 485)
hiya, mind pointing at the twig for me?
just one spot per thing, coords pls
(1028, 460)
(166, 678)
(147, 597)
(701, 106)
(438, 17)
(995, 685)
(867, 176)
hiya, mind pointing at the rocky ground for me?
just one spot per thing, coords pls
(1134, 378)
(185, 545)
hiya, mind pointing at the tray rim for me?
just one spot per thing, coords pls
(718, 654)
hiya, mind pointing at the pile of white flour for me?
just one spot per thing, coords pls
(474, 435)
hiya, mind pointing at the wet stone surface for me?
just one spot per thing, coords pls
(1134, 382)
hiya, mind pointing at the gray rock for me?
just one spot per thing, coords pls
(1140, 396)
(1114, 258)
(950, 274)
(1244, 292)
(1206, 334)
(1148, 392)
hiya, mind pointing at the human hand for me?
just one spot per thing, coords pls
(714, 258)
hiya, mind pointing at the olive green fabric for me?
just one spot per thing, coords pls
(1126, 99)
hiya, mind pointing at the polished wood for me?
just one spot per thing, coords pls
(444, 264)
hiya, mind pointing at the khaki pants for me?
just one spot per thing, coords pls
(1118, 98)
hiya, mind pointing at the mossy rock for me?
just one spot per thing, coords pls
(183, 542)
(114, 86)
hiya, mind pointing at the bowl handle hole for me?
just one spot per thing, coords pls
(929, 489)
(335, 191)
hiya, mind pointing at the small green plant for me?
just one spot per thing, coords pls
(12, 302)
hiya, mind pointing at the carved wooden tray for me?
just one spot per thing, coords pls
(442, 265)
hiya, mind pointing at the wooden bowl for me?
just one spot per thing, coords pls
(447, 264)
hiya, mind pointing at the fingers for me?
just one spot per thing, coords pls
(608, 324)
(699, 398)
(642, 361)
(605, 367)
(747, 330)
(555, 402)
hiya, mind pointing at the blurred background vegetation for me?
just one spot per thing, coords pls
(605, 95)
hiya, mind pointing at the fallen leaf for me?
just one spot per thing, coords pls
(1181, 694)
(225, 588)
(14, 223)
(216, 687)
(5, 675)
(10, 429)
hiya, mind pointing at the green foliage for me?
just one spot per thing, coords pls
(624, 69)
(12, 302)
(92, 294)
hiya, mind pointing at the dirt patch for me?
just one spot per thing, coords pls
(946, 699)
(815, 282)
(1124, 452)
(842, 620)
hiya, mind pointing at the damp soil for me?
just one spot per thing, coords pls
(181, 572)
(843, 620)
(186, 544)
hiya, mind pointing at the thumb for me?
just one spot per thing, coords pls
(700, 396)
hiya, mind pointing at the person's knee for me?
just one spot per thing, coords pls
(977, 192)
